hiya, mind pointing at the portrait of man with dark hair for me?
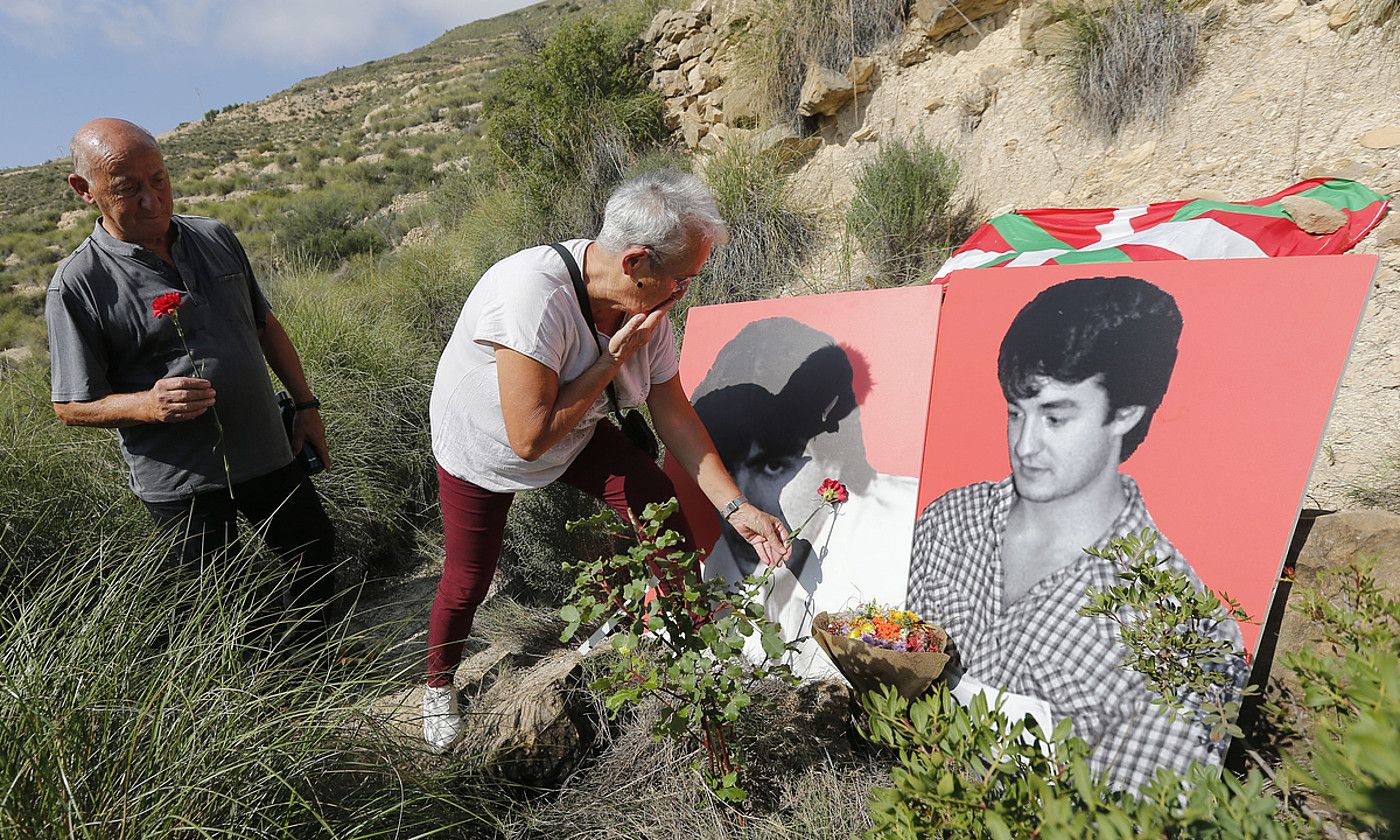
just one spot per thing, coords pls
(1002, 566)
(781, 404)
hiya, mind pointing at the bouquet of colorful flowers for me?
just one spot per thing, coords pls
(898, 630)
(875, 645)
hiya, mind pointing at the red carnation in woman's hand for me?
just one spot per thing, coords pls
(833, 492)
(166, 304)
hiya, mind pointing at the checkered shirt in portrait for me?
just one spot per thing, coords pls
(1041, 646)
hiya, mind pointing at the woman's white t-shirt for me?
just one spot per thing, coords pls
(526, 302)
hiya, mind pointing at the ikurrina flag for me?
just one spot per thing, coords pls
(1169, 230)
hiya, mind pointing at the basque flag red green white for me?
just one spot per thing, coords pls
(1170, 230)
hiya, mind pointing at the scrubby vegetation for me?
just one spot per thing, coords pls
(1130, 60)
(903, 214)
(784, 37)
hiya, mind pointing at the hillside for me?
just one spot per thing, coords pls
(330, 167)
(1274, 93)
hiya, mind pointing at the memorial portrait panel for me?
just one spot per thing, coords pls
(1073, 405)
(796, 391)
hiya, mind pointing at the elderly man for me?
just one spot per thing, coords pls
(1001, 564)
(202, 444)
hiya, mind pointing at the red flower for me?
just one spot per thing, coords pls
(833, 492)
(165, 304)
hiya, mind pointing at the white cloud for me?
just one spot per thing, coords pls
(290, 32)
(338, 32)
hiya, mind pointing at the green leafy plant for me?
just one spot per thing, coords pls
(971, 772)
(903, 215)
(1351, 688)
(1165, 621)
(684, 646)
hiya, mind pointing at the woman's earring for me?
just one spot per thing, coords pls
(639, 284)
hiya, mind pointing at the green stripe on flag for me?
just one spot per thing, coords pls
(1200, 207)
(1023, 234)
(1338, 192)
(1343, 194)
(1098, 255)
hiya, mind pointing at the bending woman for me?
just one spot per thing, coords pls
(523, 384)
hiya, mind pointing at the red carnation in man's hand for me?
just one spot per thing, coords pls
(833, 492)
(165, 304)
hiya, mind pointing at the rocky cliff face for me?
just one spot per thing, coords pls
(1284, 91)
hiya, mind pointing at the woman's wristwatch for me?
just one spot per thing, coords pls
(734, 504)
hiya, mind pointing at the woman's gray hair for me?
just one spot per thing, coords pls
(663, 212)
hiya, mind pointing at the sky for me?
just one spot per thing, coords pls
(159, 63)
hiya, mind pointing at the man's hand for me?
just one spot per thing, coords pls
(178, 398)
(764, 532)
(308, 430)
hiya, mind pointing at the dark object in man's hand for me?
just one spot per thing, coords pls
(308, 457)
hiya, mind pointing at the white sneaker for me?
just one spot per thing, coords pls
(442, 725)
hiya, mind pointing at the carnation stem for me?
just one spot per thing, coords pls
(218, 426)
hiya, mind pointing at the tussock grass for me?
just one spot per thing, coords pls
(1131, 60)
(786, 36)
(903, 214)
(769, 234)
(106, 731)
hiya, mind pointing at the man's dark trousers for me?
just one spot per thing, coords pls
(284, 507)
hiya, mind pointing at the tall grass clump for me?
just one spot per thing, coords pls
(372, 367)
(787, 36)
(903, 213)
(60, 488)
(1130, 60)
(142, 704)
(769, 234)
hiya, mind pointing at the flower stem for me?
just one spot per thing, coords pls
(218, 426)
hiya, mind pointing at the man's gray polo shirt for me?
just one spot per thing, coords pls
(104, 339)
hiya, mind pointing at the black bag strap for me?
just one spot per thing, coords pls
(586, 307)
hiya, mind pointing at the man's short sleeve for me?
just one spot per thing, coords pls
(661, 352)
(77, 351)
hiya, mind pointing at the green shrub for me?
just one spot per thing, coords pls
(572, 112)
(903, 215)
(327, 225)
(968, 772)
(1130, 60)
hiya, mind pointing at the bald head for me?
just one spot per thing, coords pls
(118, 168)
(104, 139)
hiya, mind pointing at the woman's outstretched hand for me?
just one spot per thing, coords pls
(764, 532)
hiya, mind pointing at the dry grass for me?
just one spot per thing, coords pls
(785, 36)
(1131, 60)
